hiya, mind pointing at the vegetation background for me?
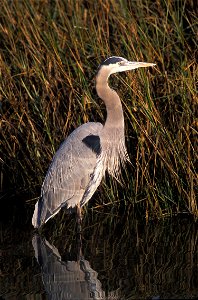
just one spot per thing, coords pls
(49, 54)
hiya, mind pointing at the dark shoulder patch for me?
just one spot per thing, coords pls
(93, 142)
(111, 60)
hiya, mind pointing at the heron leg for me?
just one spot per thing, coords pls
(79, 216)
(79, 230)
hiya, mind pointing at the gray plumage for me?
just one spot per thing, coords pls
(81, 161)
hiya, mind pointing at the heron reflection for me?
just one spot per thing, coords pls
(66, 279)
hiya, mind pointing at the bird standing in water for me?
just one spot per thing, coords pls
(80, 163)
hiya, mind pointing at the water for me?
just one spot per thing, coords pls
(120, 258)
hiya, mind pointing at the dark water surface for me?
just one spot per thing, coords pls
(120, 258)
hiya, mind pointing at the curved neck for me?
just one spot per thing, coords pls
(112, 102)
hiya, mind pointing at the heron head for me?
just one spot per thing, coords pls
(116, 64)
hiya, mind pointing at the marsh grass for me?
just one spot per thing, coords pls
(50, 51)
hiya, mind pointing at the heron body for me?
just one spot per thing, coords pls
(89, 151)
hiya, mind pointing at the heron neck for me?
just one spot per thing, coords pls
(112, 102)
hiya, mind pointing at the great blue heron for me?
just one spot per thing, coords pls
(80, 163)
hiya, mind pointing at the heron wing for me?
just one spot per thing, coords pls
(69, 173)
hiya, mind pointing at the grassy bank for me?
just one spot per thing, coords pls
(50, 51)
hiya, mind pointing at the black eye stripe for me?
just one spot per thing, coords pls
(112, 60)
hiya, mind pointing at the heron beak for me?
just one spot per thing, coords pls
(131, 65)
